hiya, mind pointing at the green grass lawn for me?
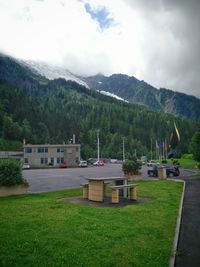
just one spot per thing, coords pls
(39, 230)
(187, 163)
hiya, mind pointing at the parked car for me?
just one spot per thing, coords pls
(173, 170)
(98, 163)
(83, 164)
(152, 169)
(149, 163)
(63, 165)
(170, 170)
(26, 166)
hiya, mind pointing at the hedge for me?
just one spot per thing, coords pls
(11, 172)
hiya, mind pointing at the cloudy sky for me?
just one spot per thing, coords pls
(154, 40)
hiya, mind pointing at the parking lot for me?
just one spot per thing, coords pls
(44, 180)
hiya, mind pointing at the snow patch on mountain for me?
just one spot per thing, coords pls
(52, 72)
(112, 95)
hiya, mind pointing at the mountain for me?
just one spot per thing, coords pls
(52, 72)
(140, 92)
(51, 111)
(125, 88)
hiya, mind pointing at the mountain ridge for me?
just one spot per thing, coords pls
(123, 87)
(50, 111)
(135, 91)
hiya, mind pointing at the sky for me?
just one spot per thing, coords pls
(157, 41)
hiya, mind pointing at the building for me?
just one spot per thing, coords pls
(11, 155)
(51, 155)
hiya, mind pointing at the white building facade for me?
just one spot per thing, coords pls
(51, 155)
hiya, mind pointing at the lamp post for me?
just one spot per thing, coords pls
(123, 138)
(98, 145)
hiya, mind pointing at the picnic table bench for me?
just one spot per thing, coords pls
(116, 188)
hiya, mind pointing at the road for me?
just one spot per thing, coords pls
(44, 180)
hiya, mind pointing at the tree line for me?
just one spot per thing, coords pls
(59, 109)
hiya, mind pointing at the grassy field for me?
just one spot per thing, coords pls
(40, 230)
(187, 163)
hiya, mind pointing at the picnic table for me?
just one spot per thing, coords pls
(95, 189)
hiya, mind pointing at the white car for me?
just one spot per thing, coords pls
(82, 164)
(98, 163)
(151, 162)
(26, 166)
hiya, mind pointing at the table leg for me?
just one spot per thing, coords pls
(125, 189)
(96, 191)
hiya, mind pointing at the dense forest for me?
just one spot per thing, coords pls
(43, 111)
(136, 91)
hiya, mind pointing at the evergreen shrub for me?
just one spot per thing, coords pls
(131, 167)
(11, 173)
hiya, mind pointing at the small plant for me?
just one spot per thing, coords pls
(131, 167)
(11, 173)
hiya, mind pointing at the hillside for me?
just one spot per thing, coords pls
(51, 111)
(136, 91)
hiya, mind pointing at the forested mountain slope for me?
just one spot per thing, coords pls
(44, 111)
(136, 91)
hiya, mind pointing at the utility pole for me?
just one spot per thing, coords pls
(98, 145)
(123, 138)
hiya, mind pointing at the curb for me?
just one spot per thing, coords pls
(177, 230)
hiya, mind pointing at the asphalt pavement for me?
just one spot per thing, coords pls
(45, 180)
(188, 250)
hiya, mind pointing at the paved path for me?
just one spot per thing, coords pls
(188, 251)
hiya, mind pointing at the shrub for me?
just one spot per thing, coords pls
(164, 161)
(131, 166)
(11, 172)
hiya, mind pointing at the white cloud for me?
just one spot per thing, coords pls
(157, 43)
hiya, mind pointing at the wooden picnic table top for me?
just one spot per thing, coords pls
(124, 186)
(106, 178)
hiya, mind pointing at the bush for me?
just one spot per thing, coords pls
(11, 172)
(131, 166)
(164, 161)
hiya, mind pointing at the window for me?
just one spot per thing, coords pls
(60, 149)
(42, 149)
(60, 160)
(28, 150)
(43, 160)
(52, 161)
(25, 160)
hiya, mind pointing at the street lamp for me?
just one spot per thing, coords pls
(123, 138)
(98, 145)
